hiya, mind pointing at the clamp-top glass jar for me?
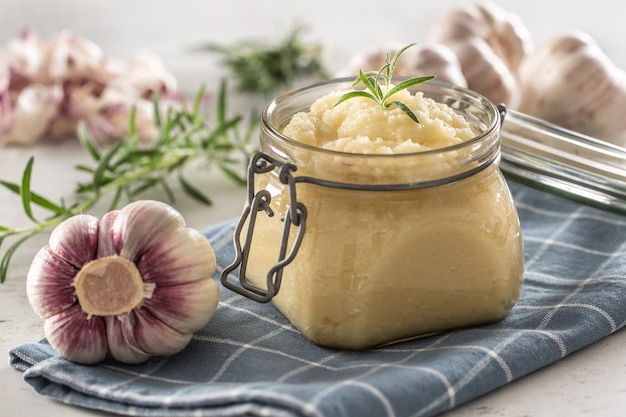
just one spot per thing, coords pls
(369, 249)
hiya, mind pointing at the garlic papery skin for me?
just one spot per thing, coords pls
(77, 337)
(135, 284)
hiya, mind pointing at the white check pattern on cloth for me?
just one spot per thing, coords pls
(250, 361)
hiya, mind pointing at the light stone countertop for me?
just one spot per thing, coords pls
(591, 382)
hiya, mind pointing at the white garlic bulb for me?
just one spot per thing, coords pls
(490, 43)
(570, 81)
(135, 284)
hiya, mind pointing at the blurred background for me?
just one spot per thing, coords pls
(173, 28)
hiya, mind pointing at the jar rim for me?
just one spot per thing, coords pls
(489, 107)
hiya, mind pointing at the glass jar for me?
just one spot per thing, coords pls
(359, 250)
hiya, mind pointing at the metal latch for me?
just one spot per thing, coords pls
(259, 201)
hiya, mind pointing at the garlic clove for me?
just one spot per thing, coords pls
(69, 56)
(438, 59)
(141, 224)
(156, 337)
(34, 109)
(183, 256)
(23, 56)
(136, 336)
(76, 239)
(196, 302)
(49, 283)
(146, 75)
(487, 73)
(108, 243)
(121, 339)
(76, 337)
(515, 39)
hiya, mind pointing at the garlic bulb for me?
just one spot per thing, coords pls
(490, 43)
(571, 82)
(48, 86)
(134, 284)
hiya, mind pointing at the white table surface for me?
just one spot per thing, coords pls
(591, 382)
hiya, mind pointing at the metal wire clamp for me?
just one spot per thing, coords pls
(296, 215)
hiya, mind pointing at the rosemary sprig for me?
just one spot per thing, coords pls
(127, 168)
(371, 80)
(265, 68)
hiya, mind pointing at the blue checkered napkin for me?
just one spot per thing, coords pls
(250, 361)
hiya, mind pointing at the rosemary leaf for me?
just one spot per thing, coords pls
(132, 126)
(34, 198)
(103, 164)
(117, 195)
(84, 168)
(156, 110)
(408, 84)
(406, 109)
(87, 142)
(199, 97)
(352, 94)
(235, 176)
(6, 258)
(25, 189)
(168, 190)
(193, 192)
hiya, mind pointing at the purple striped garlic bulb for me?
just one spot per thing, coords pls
(134, 284)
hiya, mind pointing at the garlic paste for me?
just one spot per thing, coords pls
(436, 246)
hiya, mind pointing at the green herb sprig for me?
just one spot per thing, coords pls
(127, 168)
(261, 67)
(372, 79)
